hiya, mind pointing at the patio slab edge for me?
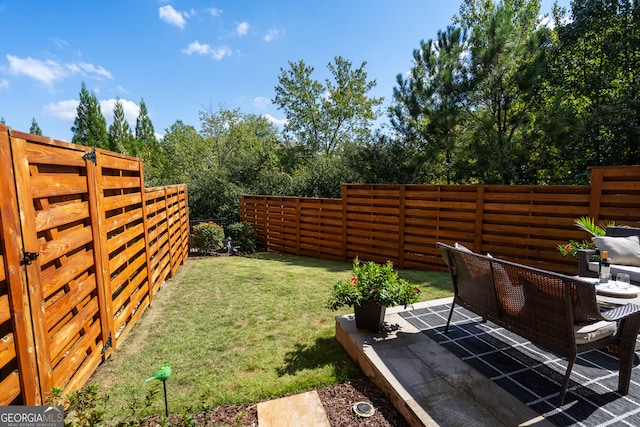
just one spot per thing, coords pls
(426, 383)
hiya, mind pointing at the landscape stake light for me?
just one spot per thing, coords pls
(163, 374)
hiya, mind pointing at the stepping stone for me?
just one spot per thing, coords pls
(300, 410)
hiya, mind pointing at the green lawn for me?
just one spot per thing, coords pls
(238, 330)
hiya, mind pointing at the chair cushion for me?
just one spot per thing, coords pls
(622, 250)
(510, 296)
(462, 248)
(594, 331)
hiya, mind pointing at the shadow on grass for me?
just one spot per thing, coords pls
(323, 352)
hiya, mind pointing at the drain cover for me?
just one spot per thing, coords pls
(363, 409)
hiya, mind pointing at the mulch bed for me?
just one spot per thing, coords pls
(338, 401)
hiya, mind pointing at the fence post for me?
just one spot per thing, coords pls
(145, 223)
(401, 236)
(477, 243)
(101, 261)
(297, 226)
(597, 177)
(344, 222)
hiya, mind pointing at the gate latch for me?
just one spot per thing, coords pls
(29, 257)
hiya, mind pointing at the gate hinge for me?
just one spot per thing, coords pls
(91, 156)
(107, 344)
(29, 257)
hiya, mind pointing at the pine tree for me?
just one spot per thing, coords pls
(89, 127)
(120, 135)
(145, 135)
(35, 129)
(148, 147)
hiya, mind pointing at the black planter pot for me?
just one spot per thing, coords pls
(370, 316)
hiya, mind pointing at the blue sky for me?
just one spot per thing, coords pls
(187, 56)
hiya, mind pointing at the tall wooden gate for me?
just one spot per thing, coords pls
(75, 267)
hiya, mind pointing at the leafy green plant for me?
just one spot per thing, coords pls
(86, 407)
(373, 282)
(208, 236)
(589, 225)
(242, 234)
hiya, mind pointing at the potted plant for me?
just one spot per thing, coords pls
(370, 290)
(587, 224)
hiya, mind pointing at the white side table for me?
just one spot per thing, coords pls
(609, 294)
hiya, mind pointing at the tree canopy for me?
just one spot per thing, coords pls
(326, 117)
(495, 97)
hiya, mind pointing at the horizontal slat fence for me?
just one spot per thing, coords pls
(524, 223)
(100, 246)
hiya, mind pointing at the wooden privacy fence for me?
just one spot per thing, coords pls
(402, 223)
(83, 248)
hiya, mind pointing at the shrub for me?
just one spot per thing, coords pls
(213, 197)
(243, 235)
(208, 236)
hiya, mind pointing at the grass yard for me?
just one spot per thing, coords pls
(238, 330)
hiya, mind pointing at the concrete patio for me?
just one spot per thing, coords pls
(426, 383)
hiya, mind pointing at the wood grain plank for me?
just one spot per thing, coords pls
(57, 185)
(9, 388)
(7, 349)
(118, 182)
(60, 215)
(68, 155)
(66, 243)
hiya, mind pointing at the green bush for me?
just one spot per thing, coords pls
(208, 237)
(242, 234)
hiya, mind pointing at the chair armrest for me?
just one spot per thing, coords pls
(583, 262)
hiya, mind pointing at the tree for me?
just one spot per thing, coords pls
(504, 67)
(387, 160)
(428, 109)
(243, 144)
(89, 127)
(187, 158)
(145, 134)
(323, 118)
(147, 146)
(35, 129)
(121, 138)
(598, 70)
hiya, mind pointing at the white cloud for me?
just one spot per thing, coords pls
(242, 28)
(220, 53)
(86, 69)
(4, 84)
(48, 72)
(272, 34)
(205, 49)
(171, 16)
(197, 47)
(261, 102)
(131, 110)
(215, 11)
(65, 110)
(279, 122)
